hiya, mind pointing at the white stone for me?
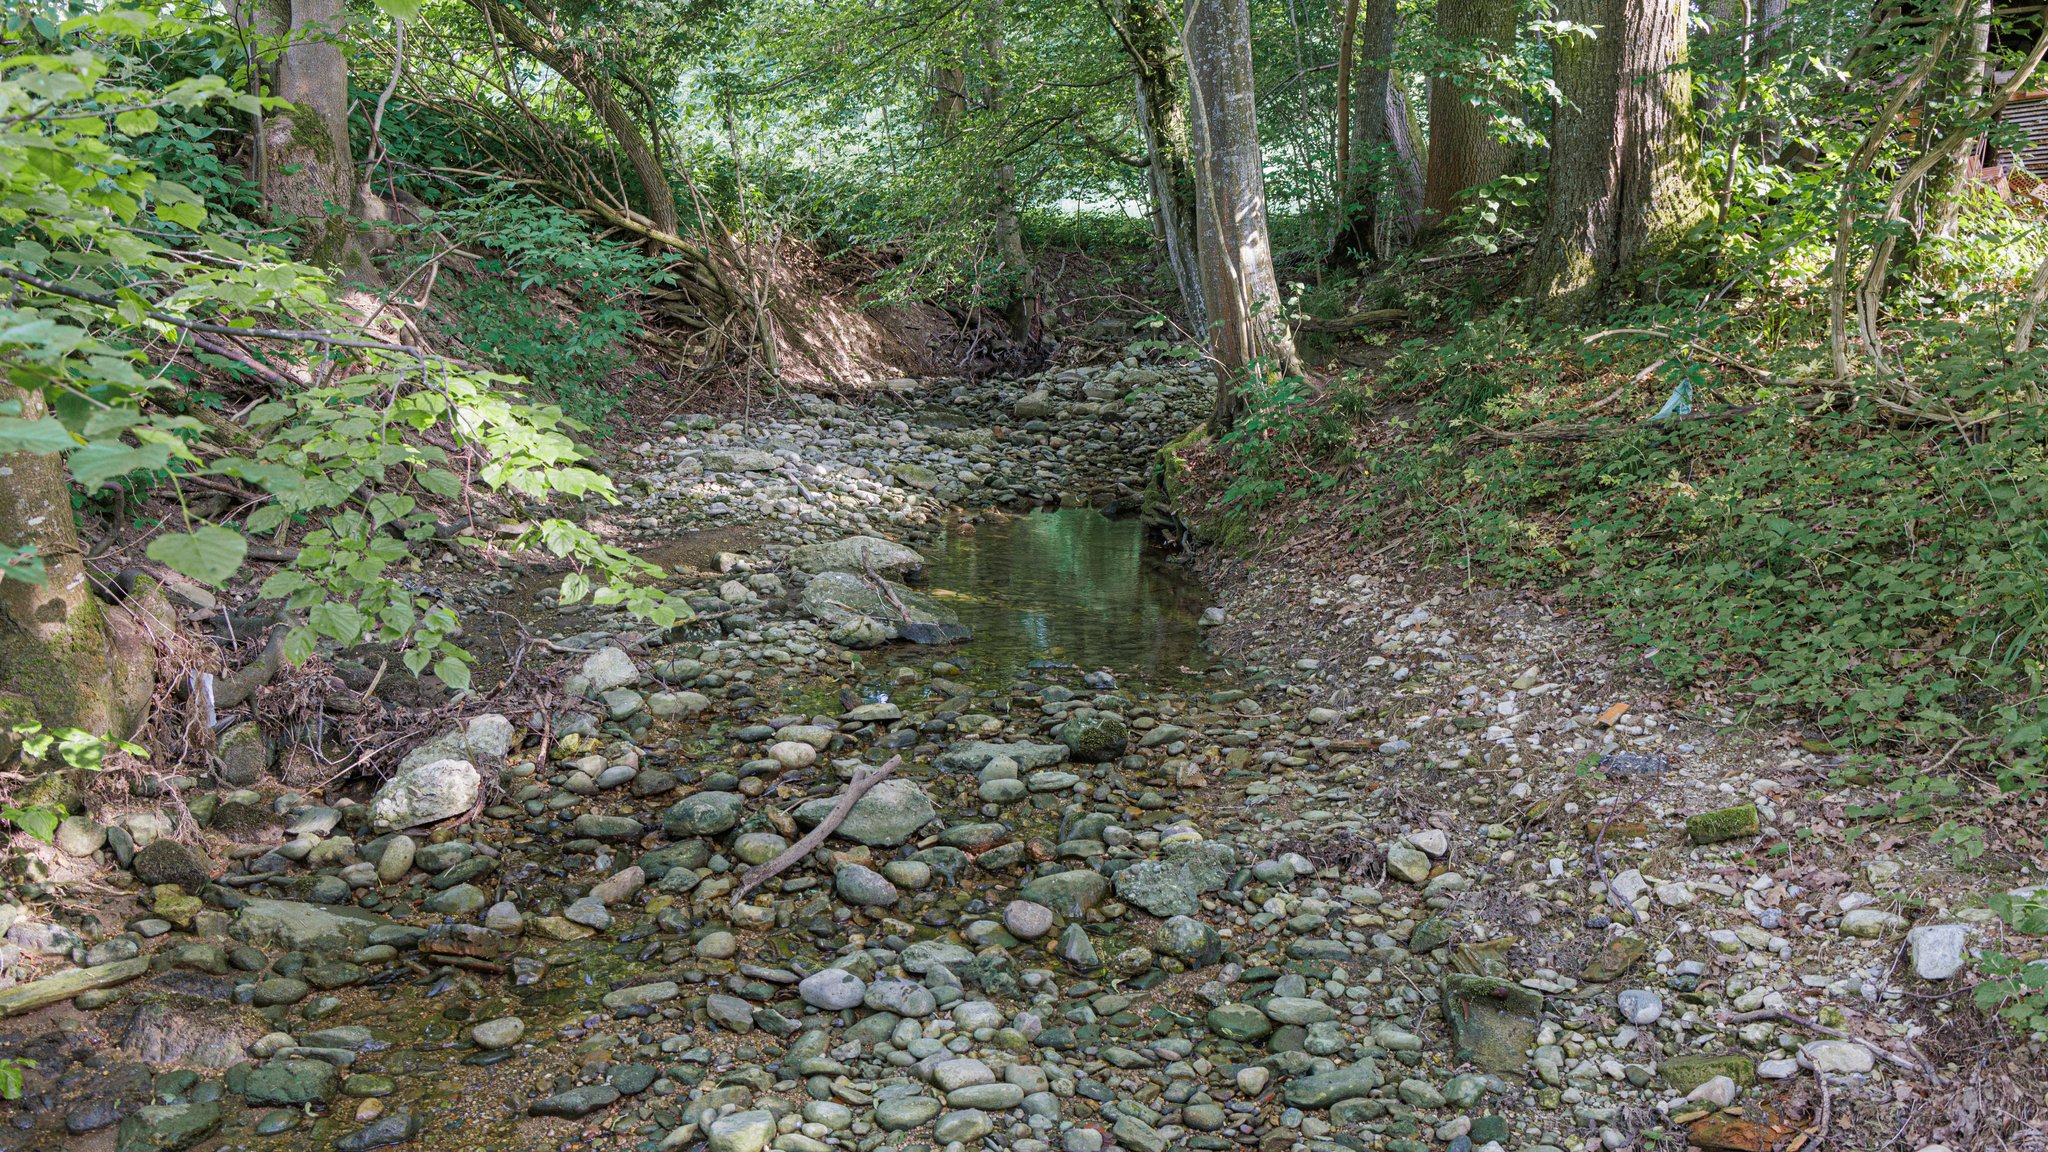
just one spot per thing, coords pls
(609, 668)
(1938, 949)
(426, 794)
(1842, 1057)
(1431, 840)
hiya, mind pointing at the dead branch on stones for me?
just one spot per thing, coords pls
(1780, 1014)
(231, 690)
(855, 789)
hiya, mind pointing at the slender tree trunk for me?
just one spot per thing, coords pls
(1022, 307)
(1238, 282)
(1463, 150)
(76, 662)
(1624, 172)
(575, 65)
(1965, 83)
(308, 173)
(1149, 38)
(1383, 190)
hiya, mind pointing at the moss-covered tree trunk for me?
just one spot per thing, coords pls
(309, 174)
(1021, 300)
(1382, 183)
(1149, 36)
(1463, 149)
(74, 662)
(1248, 329)
(1625, 182)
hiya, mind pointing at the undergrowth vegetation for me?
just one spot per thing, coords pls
(1694, 478)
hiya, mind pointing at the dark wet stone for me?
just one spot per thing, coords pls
(393, 1128)
(93, 1115)
(631, 1079)
(169, 862)
(576, 1101)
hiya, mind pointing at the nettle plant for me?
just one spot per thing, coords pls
(111, 268)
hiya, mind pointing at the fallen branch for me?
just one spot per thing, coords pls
(855, 789)
(1370, 318)
(1834, 1033)
(231, 690)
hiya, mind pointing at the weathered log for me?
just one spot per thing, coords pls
(64, 985)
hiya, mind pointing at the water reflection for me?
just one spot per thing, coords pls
(1070, 585)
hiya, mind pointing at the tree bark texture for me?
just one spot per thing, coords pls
(308, 172)
(1021, 304)
(1962, 83)
(1239, 285)
(1383, 180)
(1149, 39)
(1624, 170)
(1463, 150)
(77, 663)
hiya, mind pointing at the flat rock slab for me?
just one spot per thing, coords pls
(974, 755)
(288, 924)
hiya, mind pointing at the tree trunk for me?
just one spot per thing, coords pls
(1463, 150)
(77, 663)
(1248, 329)
(1150, 39)
(1021, 308)
(1383, 185)
(1624, 169)
(575, 65)
(308, 172)
(1963, 83)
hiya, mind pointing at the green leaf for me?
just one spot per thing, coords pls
(400, 9)
(104, 460)
(23, 564)
(452, 672)
(137, 122)
(40, 823)
(44, 435)
(186, 214)
(441, 482)
(209, 555)
(386, 508)
(575, 586)
(340, 621)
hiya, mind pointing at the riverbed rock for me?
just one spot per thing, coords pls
(427, 794)
(887, 815)
(857, 555)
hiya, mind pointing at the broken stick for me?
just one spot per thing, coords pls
(855, 789)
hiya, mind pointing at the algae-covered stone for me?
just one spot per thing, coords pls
(1096, 738)
(1724, 824)
(1685, 1073)
(1240, 1022)
(167, 1127)
(888, 814)
(1327, 1088)
(703, 814)
(1493, 1022)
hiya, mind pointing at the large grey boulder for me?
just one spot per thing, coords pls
(889, 814)
(857, 554)
(288, 925)
(426, 794)
(844, 600)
